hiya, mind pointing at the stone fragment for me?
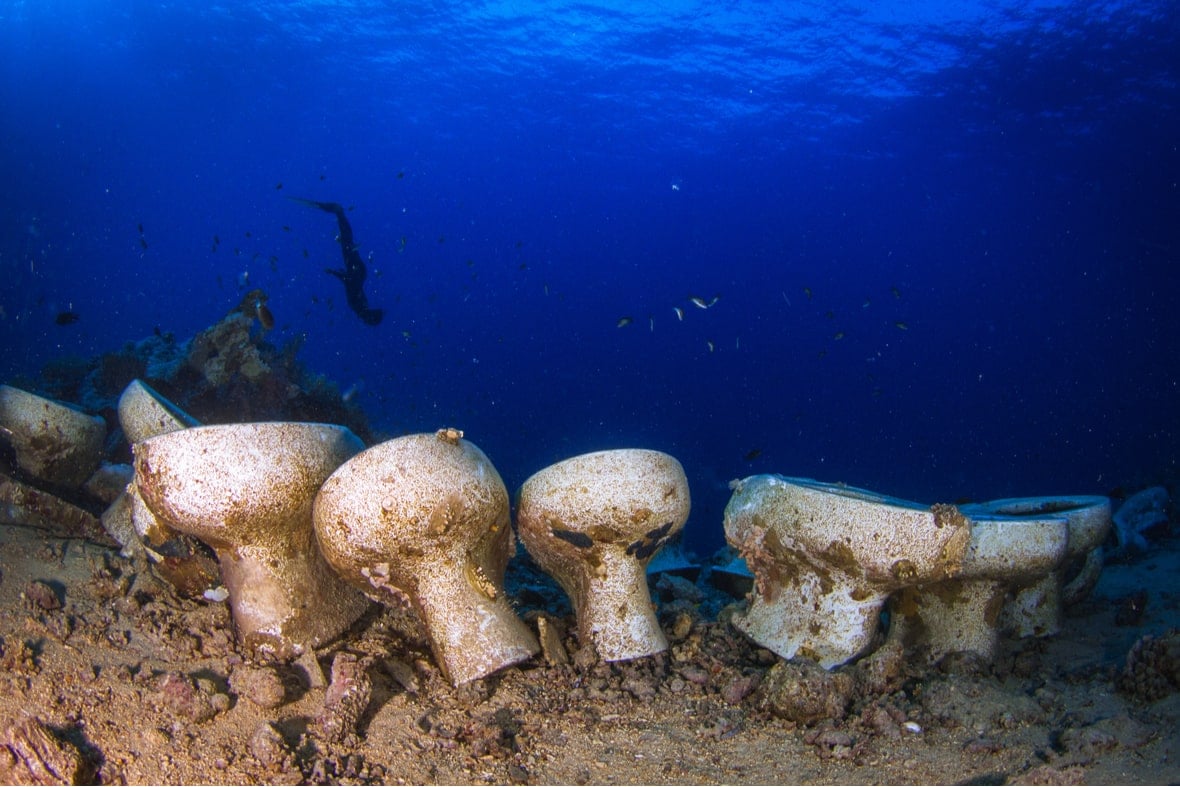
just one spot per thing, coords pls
(267, 745)
(346, 699)
(31, 754)
(263, 686)
(22, 504)
(805, 693)
(179, 694)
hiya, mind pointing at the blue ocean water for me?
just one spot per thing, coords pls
(939, 239)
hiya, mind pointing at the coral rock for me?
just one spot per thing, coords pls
(346, 699)
(31, 754)
(805, 693)
(1152, 670)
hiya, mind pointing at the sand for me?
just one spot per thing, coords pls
(108, 676)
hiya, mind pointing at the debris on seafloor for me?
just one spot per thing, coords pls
(1141, 512)
(30, 753)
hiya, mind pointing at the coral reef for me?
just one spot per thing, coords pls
(1152, 670)
(226, 373)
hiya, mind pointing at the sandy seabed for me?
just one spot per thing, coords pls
(108, 676)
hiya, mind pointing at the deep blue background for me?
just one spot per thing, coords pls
(1001, 178)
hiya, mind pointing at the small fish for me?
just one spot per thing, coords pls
(142, 241)
(807, 292)
(216, 241)
(140, 225)
(623, 322)
(839, 335)
(753, 454)
(902, 326)
(866, 304)
(679, 312)
(286, 228)
(651, 322)
(699, 302)
(279, 186)
(896, 292)
(66, 318)
(710, 346)
(262, 311)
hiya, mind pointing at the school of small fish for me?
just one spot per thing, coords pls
(703, 304)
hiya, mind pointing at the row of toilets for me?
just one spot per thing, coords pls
(309, 526)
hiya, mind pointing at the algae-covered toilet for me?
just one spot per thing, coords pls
(827, 556)
(1035, 610)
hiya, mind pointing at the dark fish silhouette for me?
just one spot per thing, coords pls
(66, 318)
(354, 271)
(254, 305)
